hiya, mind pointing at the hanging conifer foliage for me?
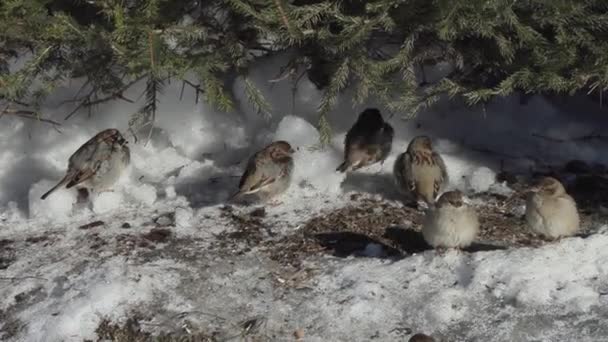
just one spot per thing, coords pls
(489, 48)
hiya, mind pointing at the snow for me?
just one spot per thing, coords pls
(480, 179)
(58, 207)
(106, 202)
(61, 285)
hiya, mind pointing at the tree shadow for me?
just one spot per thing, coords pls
(590, 192)
(18, 180)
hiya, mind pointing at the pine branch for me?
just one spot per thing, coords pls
(257, 100)
(283, 14)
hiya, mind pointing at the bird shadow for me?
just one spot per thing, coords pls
(484, 247)
(408, 240)
(344, 244)
(411, 241)
(376, 184)
(208, 191)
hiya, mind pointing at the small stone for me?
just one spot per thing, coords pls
(125, 225)
(165, 220)
(259, 212)
(158, 235)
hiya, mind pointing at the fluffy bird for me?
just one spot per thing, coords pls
(421, 338)
(97, 164)
(420, 171)
(369, 141)
(268, 172)
(550, 211)
(452, 223)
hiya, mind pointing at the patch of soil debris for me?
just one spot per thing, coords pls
(7, 253)
(395, 230)
(371, 226)
(131, 331)
(349, 230)
(250, 230)
(126, 244)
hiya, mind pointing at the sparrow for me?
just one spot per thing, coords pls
(451, 223)
(369, 141)
(421, 338)
(550, 211)
(268, 172)
(97, 164)
(420, 171)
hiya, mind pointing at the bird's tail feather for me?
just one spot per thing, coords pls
(60, 184)
(235, 196)
(343, 167)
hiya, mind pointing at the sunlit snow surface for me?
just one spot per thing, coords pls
(60, 280)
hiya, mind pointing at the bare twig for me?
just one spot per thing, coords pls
(285, 71)
(29, 115)
(181, 92)
(86, 102)
(581, 138)
(197, 88)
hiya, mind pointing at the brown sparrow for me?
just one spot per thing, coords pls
(550, 211)
(268, 172)
(97, 164)
(452, 223)
(420, 170)
(421, 338)
(369, 141)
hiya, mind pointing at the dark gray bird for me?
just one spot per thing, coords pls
(369, 141)
(97, 164)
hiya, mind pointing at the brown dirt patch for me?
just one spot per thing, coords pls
(348, 230)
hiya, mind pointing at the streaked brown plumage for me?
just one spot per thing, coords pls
(369, 141)
(420, 171)
(268, 172)
(550, 211)
(97, 164)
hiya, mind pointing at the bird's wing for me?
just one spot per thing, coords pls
(81, 176)
(259, 173)
(387, 139)
(403, 169)
(444, 173)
